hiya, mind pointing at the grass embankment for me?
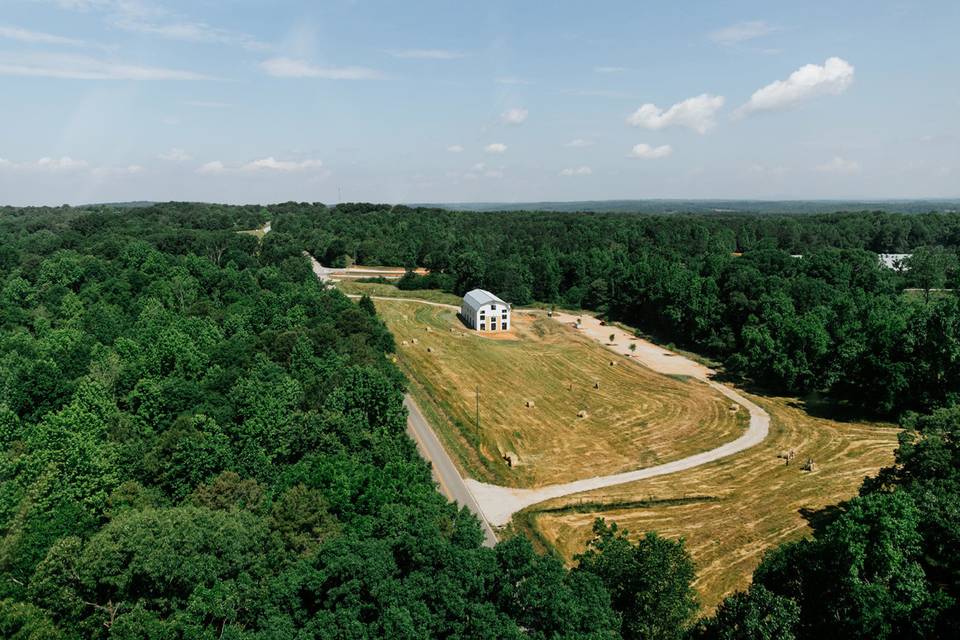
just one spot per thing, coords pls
(390, 291)
(732, 510)
(635, 418)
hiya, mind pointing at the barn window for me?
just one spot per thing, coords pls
(483, 326)
(504, 326)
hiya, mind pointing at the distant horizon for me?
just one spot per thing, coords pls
(598, 205)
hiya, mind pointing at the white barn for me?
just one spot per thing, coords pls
(483, 311)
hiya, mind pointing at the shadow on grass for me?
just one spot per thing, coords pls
(820, 519)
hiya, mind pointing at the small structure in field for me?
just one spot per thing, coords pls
(483, 311)
(530, 404)
(582, 413)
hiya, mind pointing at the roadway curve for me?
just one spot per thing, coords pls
(444, 471)
(495, 505)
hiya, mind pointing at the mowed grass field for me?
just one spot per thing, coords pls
(733, 510)
(381, 289)
(636, 418)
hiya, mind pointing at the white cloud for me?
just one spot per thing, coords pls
(516, 115)
(455, 148)
(72, 67)
(189, 32)
(129, 170)
(648, 152)
(609, 69)
(764, 170)
(175, 155)
(291, 68)
(833, 78)
(741, 32)
(37, 37)
(213, 167)
(272, 164)
(695, 113)
(426, 54)
(511, 80)
(577, 171)
(207, 104)
(480, 166)
(63, 163)
(264, 164)
(578, 143)
(496, 147)
(143, 16)
(839, 165)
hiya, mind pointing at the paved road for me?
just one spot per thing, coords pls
(444, 471)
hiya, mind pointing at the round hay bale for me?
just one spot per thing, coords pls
(403, 343)
(413, 341)
(429, 349)
(734, 407)
(613, 363)
(582, 413)
(530, 404)
(596, 385)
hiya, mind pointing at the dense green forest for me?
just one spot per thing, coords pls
(199, 441)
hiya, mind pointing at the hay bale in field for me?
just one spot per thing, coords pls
(809, 465)
(530, 404)
(429, 330)
(403, 343)
(613, 363)
(734, 407)
(596, 385)
(429, 349)
(413, 341)
(582, 413)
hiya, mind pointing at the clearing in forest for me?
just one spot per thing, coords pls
(732, 510)
(557, 403)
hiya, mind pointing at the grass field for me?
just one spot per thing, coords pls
(636, 418)
(733, 510)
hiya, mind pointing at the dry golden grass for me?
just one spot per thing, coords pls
(732, 510)
(636, 418)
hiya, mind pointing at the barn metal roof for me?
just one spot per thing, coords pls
(479, 297)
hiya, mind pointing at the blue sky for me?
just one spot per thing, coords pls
(257, 101)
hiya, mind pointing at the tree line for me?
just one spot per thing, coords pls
(797, 303)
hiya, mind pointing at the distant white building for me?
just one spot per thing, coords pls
(483, 311)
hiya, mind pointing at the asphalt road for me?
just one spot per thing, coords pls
(444, 471)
